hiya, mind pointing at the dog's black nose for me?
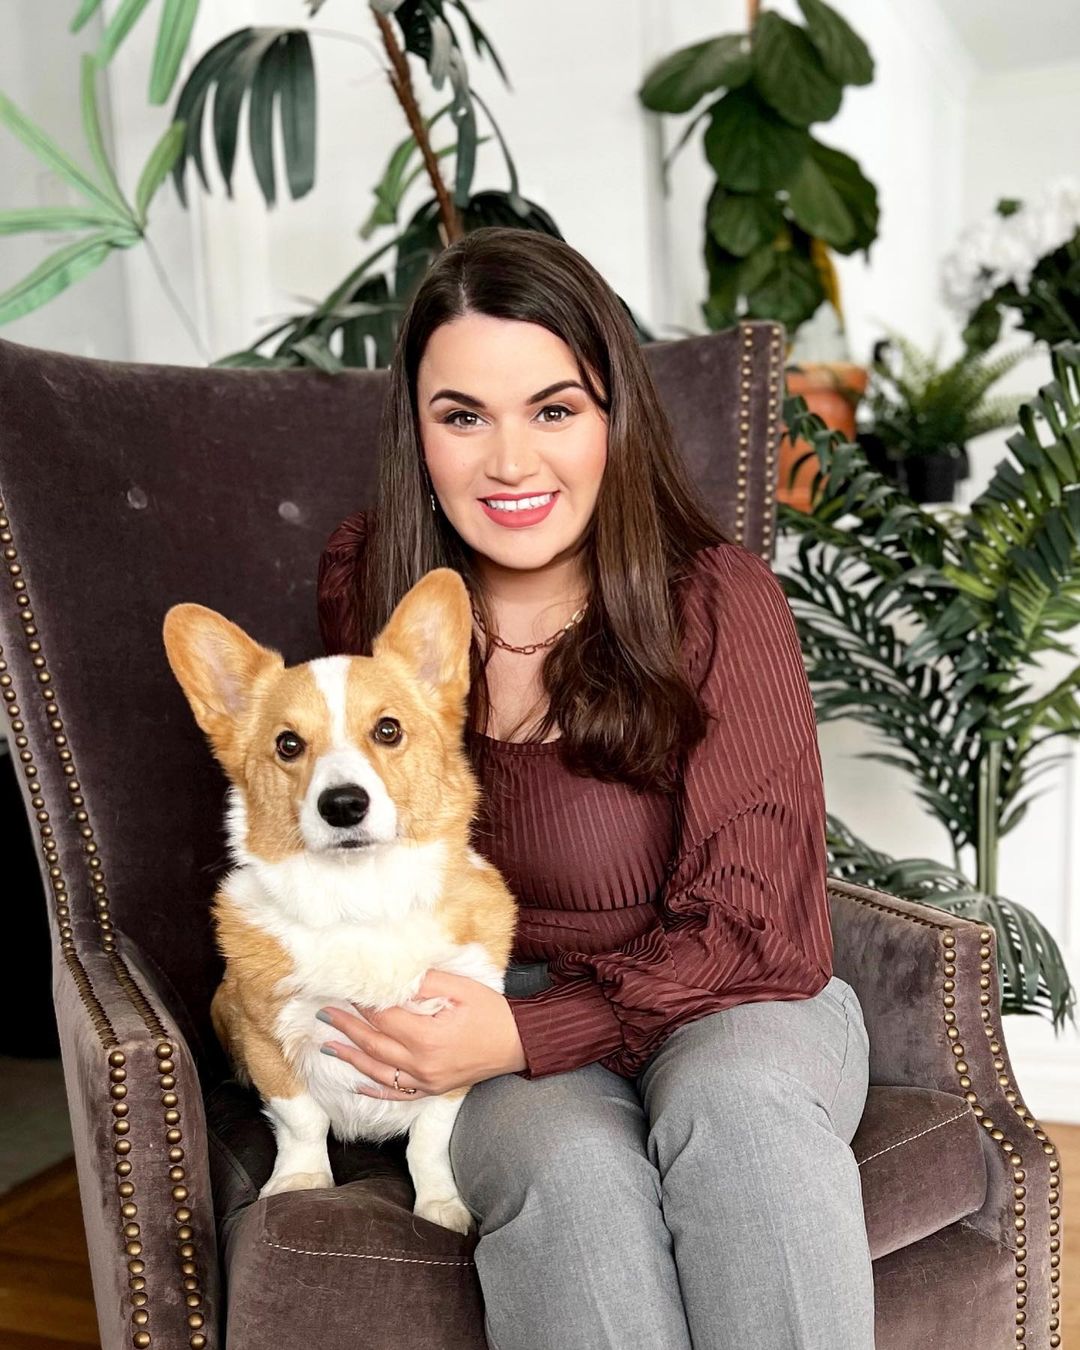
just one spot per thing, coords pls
(344, 806)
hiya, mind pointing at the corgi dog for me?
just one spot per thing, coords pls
(348, 819)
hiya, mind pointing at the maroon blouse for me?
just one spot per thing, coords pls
(654, 910)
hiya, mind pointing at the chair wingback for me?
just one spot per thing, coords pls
(127, 488)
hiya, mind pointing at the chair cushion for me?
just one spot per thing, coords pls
(921, 1160)
(359, 1251)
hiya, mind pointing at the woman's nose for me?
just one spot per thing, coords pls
(509, 456)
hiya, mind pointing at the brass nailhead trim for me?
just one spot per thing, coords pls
(772, 438)
(1016, 1162)
(130, 1230)
(746, 366)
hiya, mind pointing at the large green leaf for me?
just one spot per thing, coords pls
(298, 125)
(161, 160)
(789, 75)
(789, 293)
(843, 53)
(174, 33)
(86, 12)
(818, 207)
(92, 130)
(192, 101)
(741, 223)
(480, 41)
(54, 158)
(232, 86)
(275, 64)
(398, 177)
(749, 147)
(680, 80)
(855, 191)
(50, 277)
(124, 19)
(53, 218)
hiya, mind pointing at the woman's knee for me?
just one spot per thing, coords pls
(573, 1137)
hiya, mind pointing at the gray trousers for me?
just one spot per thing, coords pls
(713, 1203)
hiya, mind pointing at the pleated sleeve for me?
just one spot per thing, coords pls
(743, 913)
(338, 587)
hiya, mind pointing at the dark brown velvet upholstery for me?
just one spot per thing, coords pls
(127, 488)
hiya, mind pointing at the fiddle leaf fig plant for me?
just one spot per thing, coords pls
(781, 198)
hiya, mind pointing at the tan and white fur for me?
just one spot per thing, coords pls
(353, 870)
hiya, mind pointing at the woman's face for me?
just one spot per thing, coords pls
(486, 434)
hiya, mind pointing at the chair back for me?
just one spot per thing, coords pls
(127, 488)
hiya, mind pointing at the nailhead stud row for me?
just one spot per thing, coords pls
(130, 1229)
(1015, 1158)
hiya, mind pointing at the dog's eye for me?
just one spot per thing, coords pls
(288, 744)
(388, 731)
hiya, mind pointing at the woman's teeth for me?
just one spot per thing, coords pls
(525, 504)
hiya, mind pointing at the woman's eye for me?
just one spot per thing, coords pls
(451, 418)
(288, 744)
(388, 731)
(556, 407)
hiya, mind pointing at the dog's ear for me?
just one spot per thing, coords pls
(218, 667)
(431, 629)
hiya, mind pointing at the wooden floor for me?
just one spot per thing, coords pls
(46, 1301)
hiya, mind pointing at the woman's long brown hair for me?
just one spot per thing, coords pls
(615, 682)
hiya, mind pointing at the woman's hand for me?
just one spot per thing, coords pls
(473, 1038)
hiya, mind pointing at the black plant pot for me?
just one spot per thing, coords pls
(877, 455)
(931, 478)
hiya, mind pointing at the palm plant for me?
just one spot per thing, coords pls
(270, 72)
(927, 630)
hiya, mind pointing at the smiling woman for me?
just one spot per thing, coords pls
(518, 375)
(666, 851)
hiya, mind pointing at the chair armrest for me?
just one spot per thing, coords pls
(141, 1154)
(928, 984)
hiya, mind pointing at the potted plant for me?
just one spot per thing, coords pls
(923, 414)
(1024, 259)
(929, 630)
(781, 198)
(266, 77)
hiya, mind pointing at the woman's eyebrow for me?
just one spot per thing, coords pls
(459, 397)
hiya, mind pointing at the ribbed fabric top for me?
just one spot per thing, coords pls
(651, 910)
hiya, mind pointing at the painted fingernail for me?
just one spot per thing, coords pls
(324, 1016)
(329, 1050)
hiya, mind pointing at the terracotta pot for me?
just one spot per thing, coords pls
(832, 389)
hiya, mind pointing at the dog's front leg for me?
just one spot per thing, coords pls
(428, 1156)
(300, 1127)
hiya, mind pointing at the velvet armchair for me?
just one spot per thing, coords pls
(127, 488)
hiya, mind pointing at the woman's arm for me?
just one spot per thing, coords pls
(743, 916)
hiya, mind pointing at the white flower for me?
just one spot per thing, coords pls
(1000, 249)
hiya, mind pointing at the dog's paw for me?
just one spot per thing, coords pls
(297, 1181)
(448, 1211)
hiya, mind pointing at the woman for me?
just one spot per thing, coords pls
(656, 1148)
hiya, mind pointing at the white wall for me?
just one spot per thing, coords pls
(90, 318)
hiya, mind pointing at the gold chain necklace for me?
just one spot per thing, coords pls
(530, 647)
